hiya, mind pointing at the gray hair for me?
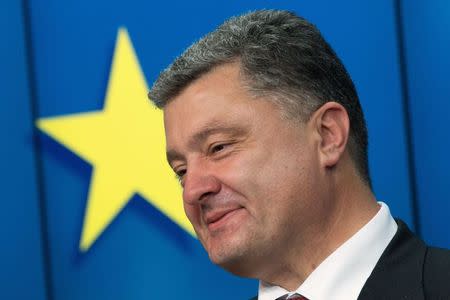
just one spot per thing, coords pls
(282, 57)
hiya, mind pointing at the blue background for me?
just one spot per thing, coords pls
(56, 57)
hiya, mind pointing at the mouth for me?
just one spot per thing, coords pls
(218, 219)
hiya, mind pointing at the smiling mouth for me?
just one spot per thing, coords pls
(216, 220)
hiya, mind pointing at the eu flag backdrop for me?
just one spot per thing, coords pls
(105, 218)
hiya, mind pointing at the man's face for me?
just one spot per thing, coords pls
(247, 173)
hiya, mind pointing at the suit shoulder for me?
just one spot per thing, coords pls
(436, 273)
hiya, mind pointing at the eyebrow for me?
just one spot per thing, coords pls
(172, 155)
(202, 135)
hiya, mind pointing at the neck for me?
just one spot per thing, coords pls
(339, 218)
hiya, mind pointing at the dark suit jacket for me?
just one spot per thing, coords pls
(408, 269)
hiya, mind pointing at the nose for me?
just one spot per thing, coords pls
(199, 183)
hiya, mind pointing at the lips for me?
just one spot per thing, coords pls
(215, 217)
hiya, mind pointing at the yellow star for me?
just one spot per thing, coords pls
(125, 145)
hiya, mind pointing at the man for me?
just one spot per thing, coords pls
(266, 133)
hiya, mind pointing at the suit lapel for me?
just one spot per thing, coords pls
(399, 272)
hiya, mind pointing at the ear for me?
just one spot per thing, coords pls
(332, 124)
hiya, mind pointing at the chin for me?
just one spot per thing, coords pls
(236, 258)
(233, 247)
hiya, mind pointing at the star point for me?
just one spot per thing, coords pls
(125, 144)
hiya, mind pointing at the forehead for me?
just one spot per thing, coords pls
(217, 100)
(215, 97)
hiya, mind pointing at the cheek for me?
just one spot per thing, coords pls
(249, 176)
(239, 173)
(283, 181)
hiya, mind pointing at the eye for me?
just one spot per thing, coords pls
(180, 174)
(218, 148)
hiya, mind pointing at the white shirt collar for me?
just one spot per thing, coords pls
(343, 274)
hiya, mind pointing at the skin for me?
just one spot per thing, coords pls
(269, 197)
